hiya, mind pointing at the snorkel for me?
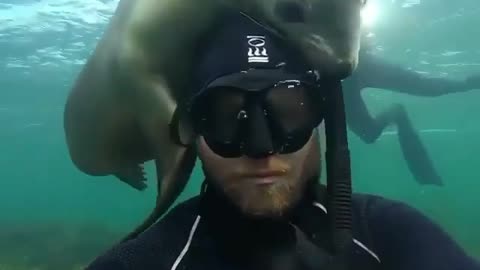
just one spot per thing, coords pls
(339, 183)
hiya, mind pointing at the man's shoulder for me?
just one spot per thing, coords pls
(417, 242)
(375, 204)
(375, 217)
(163, 240)
(378, 209)
(374, 213)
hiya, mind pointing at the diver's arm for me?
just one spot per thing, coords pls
(407, 240)
(377, 73)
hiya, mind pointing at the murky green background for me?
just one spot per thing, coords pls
(54, 217)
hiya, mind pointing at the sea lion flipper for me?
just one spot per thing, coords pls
(170, 184)
(133, 175)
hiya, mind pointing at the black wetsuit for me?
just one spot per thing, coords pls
(208, 233)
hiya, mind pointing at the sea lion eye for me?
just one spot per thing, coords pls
(290, 11)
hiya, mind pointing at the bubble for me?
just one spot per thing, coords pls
(242, 115)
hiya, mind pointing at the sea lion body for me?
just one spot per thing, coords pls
(118, 113)
(121, 102)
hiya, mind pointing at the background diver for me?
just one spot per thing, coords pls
(373, 72)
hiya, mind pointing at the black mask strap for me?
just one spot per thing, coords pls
(180, 128)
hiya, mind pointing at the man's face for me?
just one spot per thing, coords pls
(267, 186)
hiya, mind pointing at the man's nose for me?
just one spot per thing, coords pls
(259, 138)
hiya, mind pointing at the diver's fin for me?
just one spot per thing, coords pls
(170, 185)
(416, 155)
(133, 175)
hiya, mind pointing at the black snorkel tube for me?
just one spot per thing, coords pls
(339, 180)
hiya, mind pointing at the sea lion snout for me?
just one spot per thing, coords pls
(344, 68)
(292, 11)
(326, 31)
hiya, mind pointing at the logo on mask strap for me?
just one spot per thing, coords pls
(257, 53)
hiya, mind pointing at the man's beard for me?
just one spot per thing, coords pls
(271, 201)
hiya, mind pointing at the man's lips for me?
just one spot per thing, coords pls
(264, 172)
(265, 177)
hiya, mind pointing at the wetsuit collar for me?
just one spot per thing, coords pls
(242, 236)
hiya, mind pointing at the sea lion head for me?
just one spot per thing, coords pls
(326, 31)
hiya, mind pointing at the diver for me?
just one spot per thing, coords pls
(373, 72)
(254, 116)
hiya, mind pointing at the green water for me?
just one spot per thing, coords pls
(55, 217)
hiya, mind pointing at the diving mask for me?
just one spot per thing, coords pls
(246, 114)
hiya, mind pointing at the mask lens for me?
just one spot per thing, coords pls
(220, 114)
(293, 107)
(291, 110)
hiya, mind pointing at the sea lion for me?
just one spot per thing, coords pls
(118, 113)
(326, 31)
